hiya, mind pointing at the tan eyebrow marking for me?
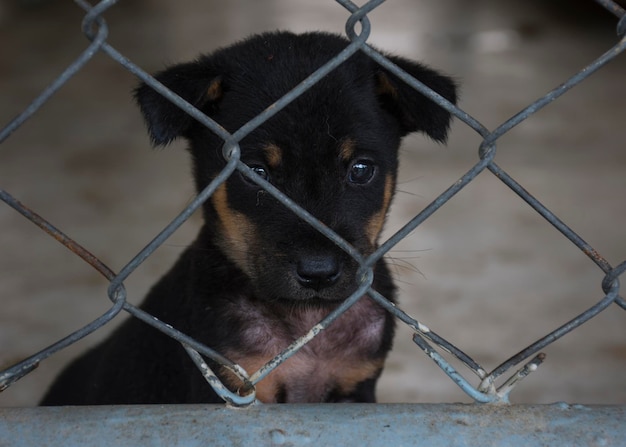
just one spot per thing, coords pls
(347, 149)
(273, 154)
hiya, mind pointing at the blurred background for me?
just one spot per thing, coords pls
(485, 271)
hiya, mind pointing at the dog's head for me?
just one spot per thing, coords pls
(333, 151)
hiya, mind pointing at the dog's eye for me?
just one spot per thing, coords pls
(261, 172)
(361, 172)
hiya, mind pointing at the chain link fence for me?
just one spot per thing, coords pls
(492, 385)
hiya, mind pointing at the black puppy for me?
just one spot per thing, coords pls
(257, 277)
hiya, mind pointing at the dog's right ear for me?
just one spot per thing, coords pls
(414, 111)
(192, 82)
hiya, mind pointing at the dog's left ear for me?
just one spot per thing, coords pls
(414, 111)
(192, 81)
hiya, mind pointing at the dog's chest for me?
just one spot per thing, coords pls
(333, 363)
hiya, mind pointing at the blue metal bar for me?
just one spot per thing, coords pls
(434, 425)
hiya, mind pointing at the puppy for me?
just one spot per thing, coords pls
(257, 277)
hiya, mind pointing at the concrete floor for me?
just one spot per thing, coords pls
(485, 271)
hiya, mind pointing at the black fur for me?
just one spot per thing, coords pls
(257, 277)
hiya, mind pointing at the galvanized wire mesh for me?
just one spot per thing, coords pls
(96, 30)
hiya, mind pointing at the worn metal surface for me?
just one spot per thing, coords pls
(295, 425)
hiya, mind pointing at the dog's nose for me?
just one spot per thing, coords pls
(317, 272)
